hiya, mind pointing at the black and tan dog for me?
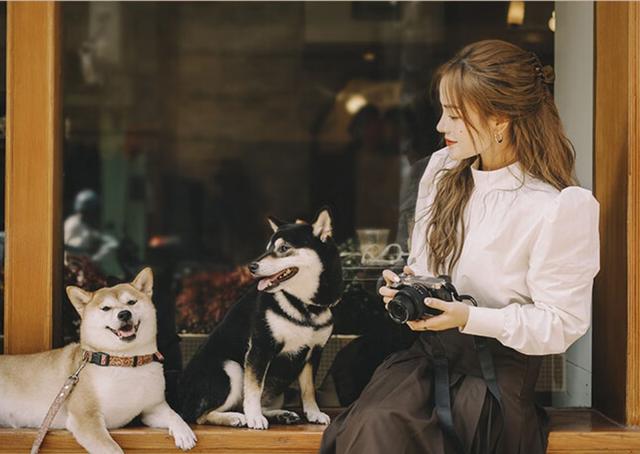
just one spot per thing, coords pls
(271, 336)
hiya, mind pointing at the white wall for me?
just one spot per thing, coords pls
(574, 66)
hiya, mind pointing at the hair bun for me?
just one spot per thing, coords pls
(548, 75)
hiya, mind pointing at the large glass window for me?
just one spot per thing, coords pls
(186, 124)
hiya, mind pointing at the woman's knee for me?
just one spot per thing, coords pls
(380, 419)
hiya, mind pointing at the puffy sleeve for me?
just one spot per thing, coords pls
(564, 259)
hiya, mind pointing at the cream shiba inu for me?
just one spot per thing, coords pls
(122, 379)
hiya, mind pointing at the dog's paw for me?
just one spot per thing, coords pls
(283, 417)
(317, 417)
(183, 436)
(257, 421)
(288, 417)
(237, 420)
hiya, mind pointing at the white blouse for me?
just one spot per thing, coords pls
(529, 256)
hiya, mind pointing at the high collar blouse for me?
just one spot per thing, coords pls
(529, 256)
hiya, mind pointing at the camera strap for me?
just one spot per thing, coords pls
(442, 393)
(488, 370)
(489, 374)
(442, 386)
(487, 367)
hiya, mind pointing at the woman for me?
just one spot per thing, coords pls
(498, 212)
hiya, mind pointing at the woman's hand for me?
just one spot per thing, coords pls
(454, 315)
(391, 278)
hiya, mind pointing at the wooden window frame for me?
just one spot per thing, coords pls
(34, 177)
(616, 314)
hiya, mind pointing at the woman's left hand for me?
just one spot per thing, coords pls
(454, 315)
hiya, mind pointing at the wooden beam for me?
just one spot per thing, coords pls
(33, 177)
(616, 313)
(572, 431)
(611, 180)
(633, 221)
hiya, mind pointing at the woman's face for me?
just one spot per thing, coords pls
(463, 142)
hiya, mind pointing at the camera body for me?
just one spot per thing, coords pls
(408, 303)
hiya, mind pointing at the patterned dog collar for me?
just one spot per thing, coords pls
(104, 359)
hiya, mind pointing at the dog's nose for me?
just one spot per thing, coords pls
(125, 316)
(254, 267)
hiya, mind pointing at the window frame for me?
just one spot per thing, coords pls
(33, 258)
(616, 311)
(33, 178)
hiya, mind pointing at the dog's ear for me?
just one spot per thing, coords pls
(322, 225)
(144, 281)
(79, 298)
(275, 223)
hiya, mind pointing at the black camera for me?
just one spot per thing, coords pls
(408, 303)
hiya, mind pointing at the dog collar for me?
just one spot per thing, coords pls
(104, 359)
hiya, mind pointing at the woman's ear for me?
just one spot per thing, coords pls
(501, 125)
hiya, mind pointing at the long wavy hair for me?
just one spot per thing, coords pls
(496, 79)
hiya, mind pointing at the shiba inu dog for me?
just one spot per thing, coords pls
(118, 330)
(271, 336)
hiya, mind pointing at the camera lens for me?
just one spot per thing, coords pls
(397, 312)
(400, 309)
(408, 303)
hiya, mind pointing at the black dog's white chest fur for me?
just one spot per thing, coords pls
(296, 328)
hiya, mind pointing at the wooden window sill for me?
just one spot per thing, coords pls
(575, 431)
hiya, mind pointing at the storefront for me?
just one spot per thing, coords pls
(191, 122)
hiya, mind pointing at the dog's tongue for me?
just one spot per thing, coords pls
(274, 279)
(125, 331)
(264, 283)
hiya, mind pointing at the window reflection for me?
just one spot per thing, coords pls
(188, 123)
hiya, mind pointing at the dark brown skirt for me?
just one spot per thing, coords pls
(395, 412)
